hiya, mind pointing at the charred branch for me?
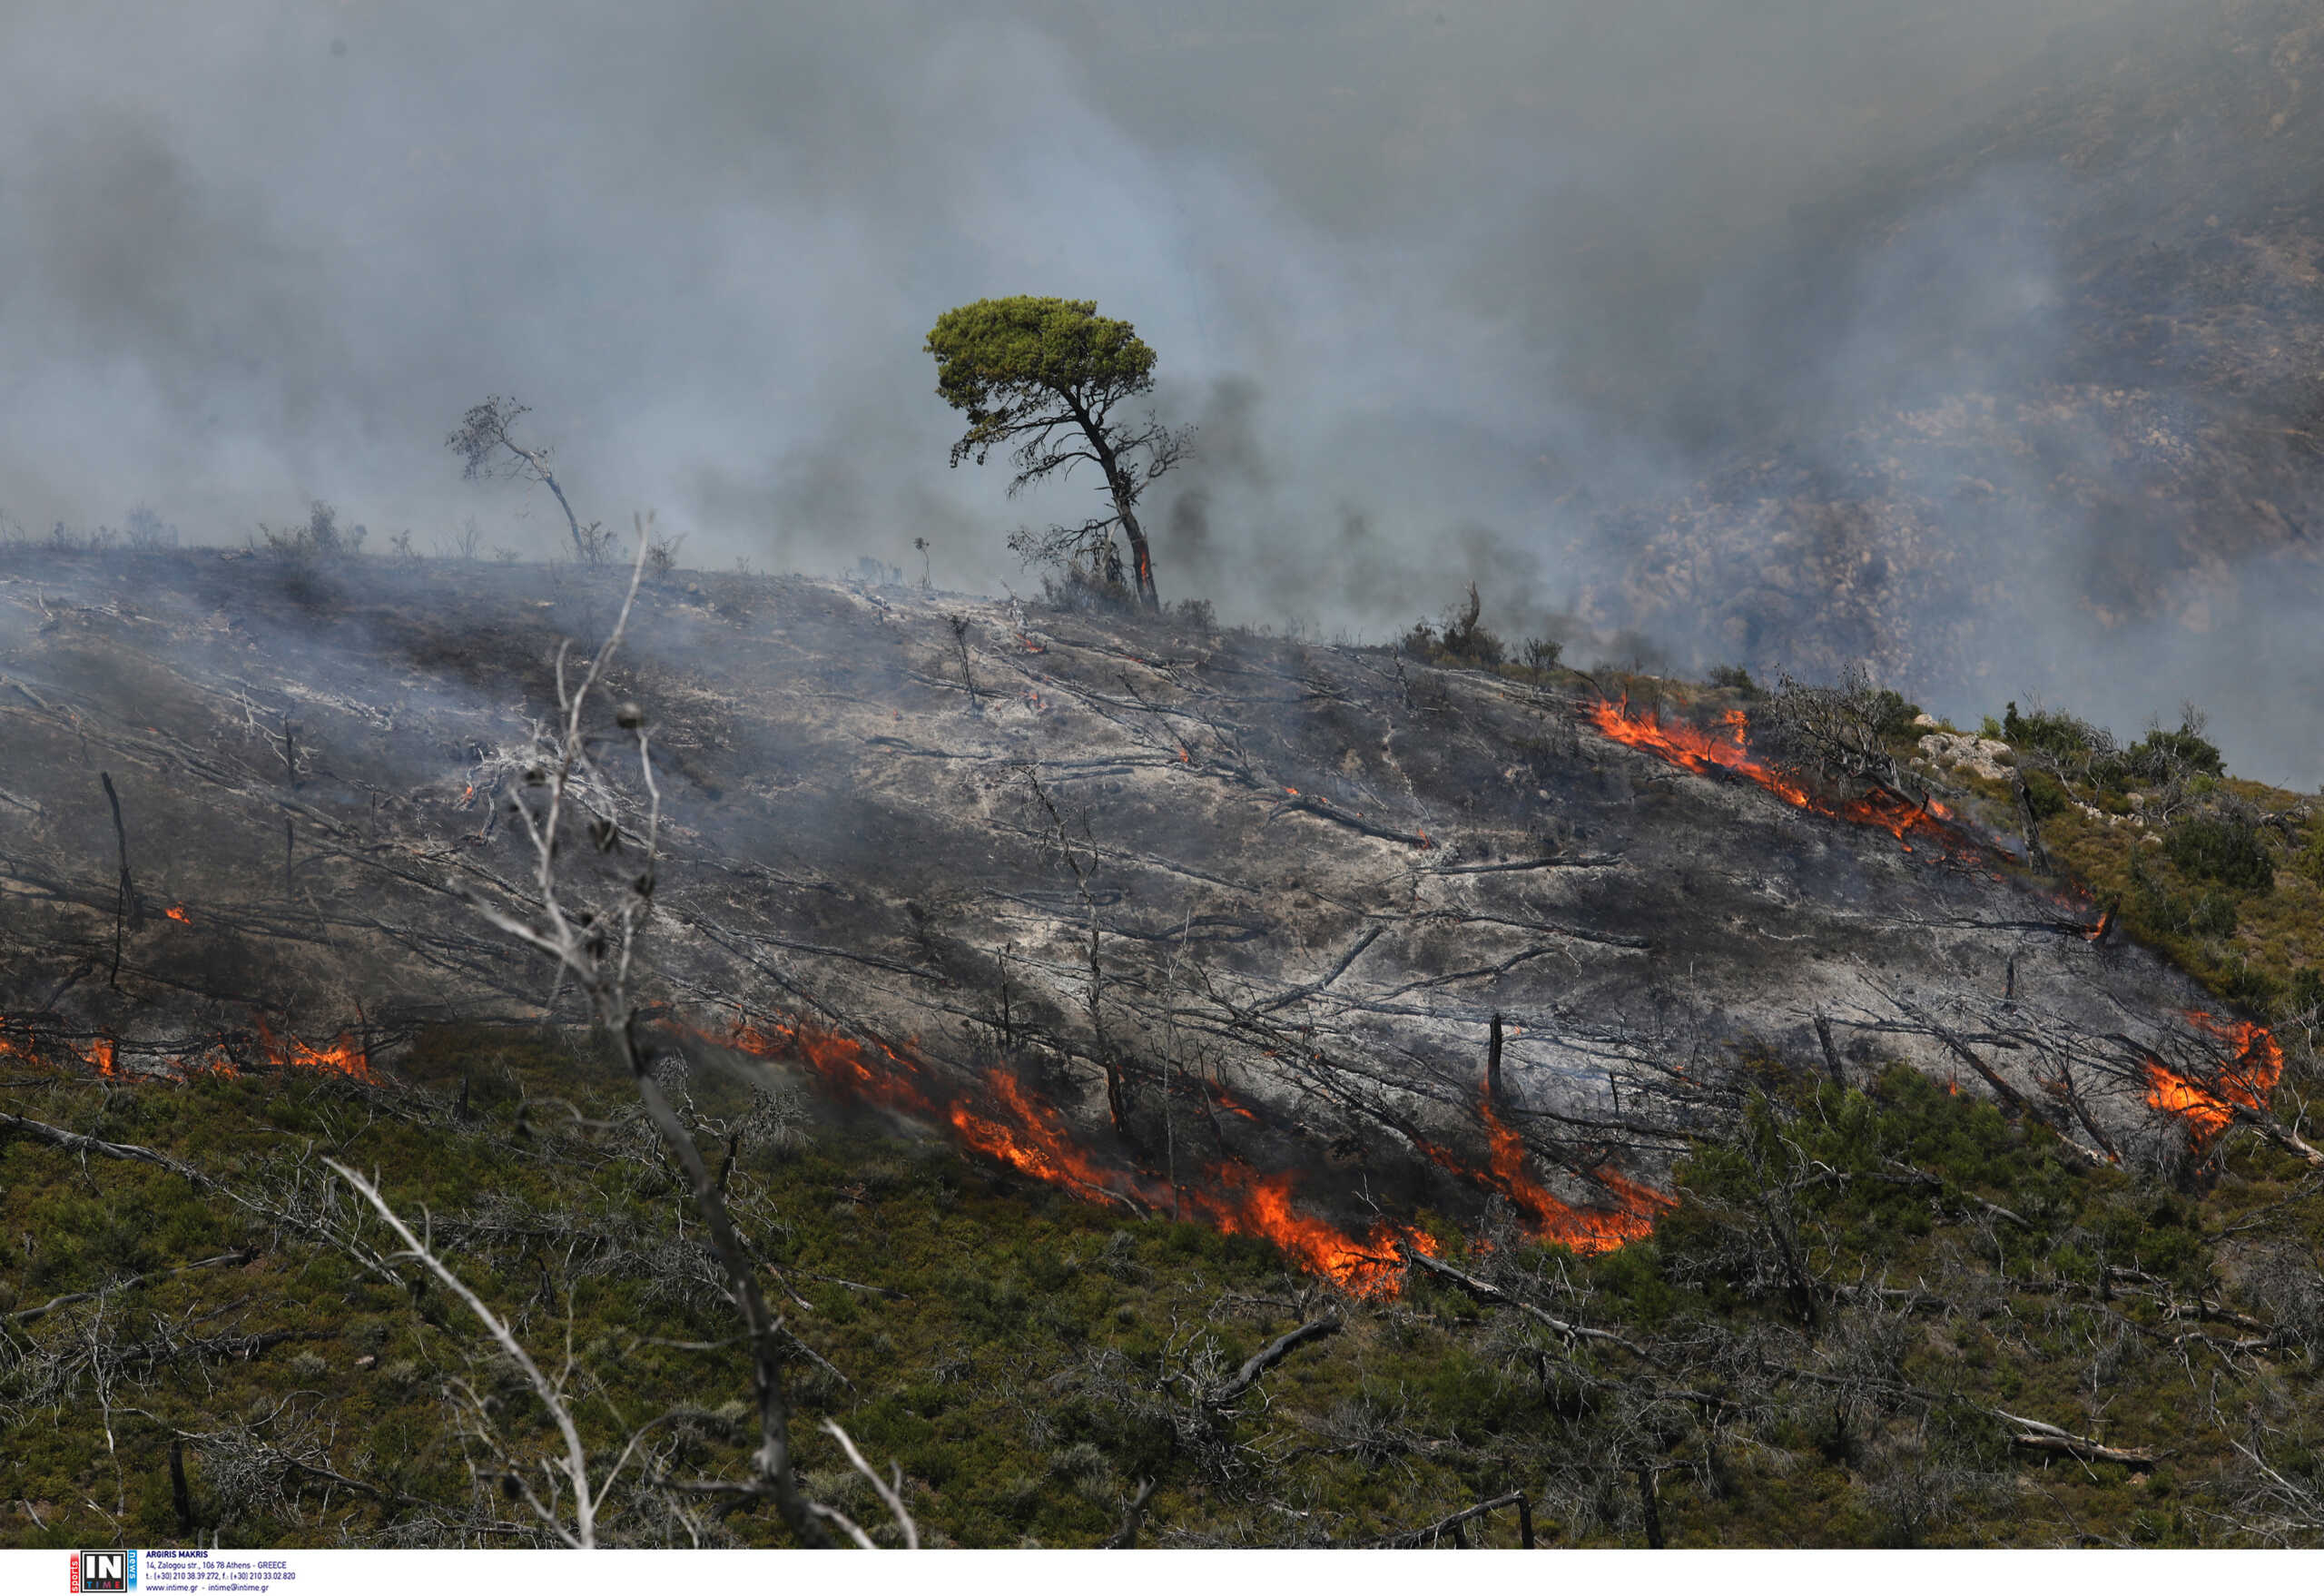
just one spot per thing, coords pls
(1239, 1384)
(1485, 1291)
(1450, 1524)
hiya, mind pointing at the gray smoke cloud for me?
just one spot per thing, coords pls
(1449, 288)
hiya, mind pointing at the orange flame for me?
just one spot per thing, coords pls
(1033, 1139)
(1004, 1122)
(838, 1061)
(1227, 1100)
(177, 911)
(2255, 1063)
(1242, 1202)
(104, 1054)
(1692, 748)
(1548, 1216)
(344, 1056)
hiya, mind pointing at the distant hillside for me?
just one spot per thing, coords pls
(2065, 387)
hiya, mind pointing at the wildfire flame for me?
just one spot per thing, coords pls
(177, 911)
(1692, 748)
(2254, 1063)
(1227, 1100)
(1548, 1216)
(1241, 1201)
(343, 1056)
(1031, 1138)
(999, 1120)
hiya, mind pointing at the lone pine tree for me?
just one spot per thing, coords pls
(1042, 378)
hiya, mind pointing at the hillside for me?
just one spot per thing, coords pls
(1643, 1110)
(2039, 405)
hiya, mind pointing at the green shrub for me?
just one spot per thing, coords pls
(319, 538)
(1196, 615)
(1463, 639)
(2158, 756)
(2050, 732)
(2309, 862)
(2045, 794)
(1893, 714)
(2212, 914)
(2306, 994)
(2224, 848)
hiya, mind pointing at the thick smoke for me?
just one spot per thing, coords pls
(1491, 292)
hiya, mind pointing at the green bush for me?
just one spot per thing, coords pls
(2158, 756)
(2223, 848)
(2307, 993)
(2045, 794)
(1893, 714)
(2050, 732)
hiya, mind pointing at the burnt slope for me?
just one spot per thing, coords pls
(1311, 875)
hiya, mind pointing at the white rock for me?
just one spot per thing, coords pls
(1982, 755)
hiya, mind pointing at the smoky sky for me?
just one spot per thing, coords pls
(1439, 284)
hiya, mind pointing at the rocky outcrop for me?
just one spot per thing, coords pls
(1980, 756)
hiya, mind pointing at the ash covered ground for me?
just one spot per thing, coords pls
(1195, 891)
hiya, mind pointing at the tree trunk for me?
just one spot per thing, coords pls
(1650, 1507)
(1831, 1053)
(1142, 557)
(1117, 483)
(540, 468)
(2034, 853)
(181, 1497)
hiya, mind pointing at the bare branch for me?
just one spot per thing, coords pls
(576, 1459)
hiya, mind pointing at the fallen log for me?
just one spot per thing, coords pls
(1266, 1357)
(1486, 1291)
(26, 1316)
(2034, 1435)
(1430, 1535)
